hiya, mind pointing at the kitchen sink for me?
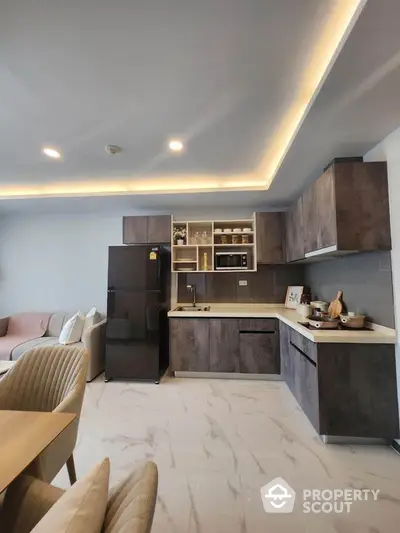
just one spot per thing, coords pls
(191, 308)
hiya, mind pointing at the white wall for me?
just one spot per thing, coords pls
(59, 262)
(389, 150)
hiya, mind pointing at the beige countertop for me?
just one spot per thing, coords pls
(379, 335)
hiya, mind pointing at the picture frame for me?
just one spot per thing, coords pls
(293, 296)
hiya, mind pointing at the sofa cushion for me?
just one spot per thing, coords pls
(56, 323)
(42, 342)
(25, 346)
(93, 317)
(72, 329)
(82, 507)
(21, 328)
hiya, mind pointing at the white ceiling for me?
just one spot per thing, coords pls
(357, 106)
(220, 73)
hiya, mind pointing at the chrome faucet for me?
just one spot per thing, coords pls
(192, 289)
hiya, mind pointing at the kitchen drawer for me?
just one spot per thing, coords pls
(258, 324)
(306, 346)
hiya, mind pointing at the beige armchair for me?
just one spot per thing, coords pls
(49, 379)
(130, 506)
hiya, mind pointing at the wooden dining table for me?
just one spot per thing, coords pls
(23, 436)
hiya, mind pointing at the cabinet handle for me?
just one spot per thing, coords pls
(251, 332)
(303, 354)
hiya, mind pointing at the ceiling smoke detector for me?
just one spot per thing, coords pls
(113, 149)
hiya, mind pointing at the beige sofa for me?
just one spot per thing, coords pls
(93, 341)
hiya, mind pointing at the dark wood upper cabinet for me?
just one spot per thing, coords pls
(348, 208)
(319, 213)
(134, 230)
(159, 229)
(147, 229)
(362, 206)
(294, 232)
(270, 228)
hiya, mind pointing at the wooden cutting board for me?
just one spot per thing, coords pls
(336, 307)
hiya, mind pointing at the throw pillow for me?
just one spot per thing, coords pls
(93, 317)
(82, 507)
(72, 330)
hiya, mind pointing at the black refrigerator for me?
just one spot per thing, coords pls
(137, 340)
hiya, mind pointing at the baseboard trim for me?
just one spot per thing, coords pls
(337, 439)
(228, 375)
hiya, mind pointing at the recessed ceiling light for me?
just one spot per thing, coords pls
(175, 145)
(51, 152)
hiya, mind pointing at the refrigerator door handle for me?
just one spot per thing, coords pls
(111, 301)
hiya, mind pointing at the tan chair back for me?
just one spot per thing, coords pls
(48, 379)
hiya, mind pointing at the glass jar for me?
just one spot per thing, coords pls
(245, 239)
(236, 239)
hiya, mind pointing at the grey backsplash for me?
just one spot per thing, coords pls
(268, 284)
(366, 281)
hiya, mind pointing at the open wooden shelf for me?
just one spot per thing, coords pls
(200, 237)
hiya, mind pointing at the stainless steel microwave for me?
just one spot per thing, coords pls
(231, 261)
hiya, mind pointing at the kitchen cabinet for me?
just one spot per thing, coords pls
(347, 209)
(319, 213)
(299, 371)
(358, 390)
(344, 389)
(159, 229)
(287, 369)
(305, 383)
(190, 344)
(224, 345)
(294, 232)
(259, 346)
(259, 353)
(147, 229)
(270, 238)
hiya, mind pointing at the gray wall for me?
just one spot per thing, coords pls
(268, 284)
(51, 262)
(366, 281)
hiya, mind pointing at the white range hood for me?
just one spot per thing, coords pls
(329, 251)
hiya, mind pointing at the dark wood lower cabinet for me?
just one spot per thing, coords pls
(287, 361)
(190, 345)
(224, 345)
(305, 384)
(259, 353)
(358, 390)
(346, 390)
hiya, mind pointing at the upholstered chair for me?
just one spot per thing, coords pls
(49, 379)
(130, 507)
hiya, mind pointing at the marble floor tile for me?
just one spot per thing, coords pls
(217, 442)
